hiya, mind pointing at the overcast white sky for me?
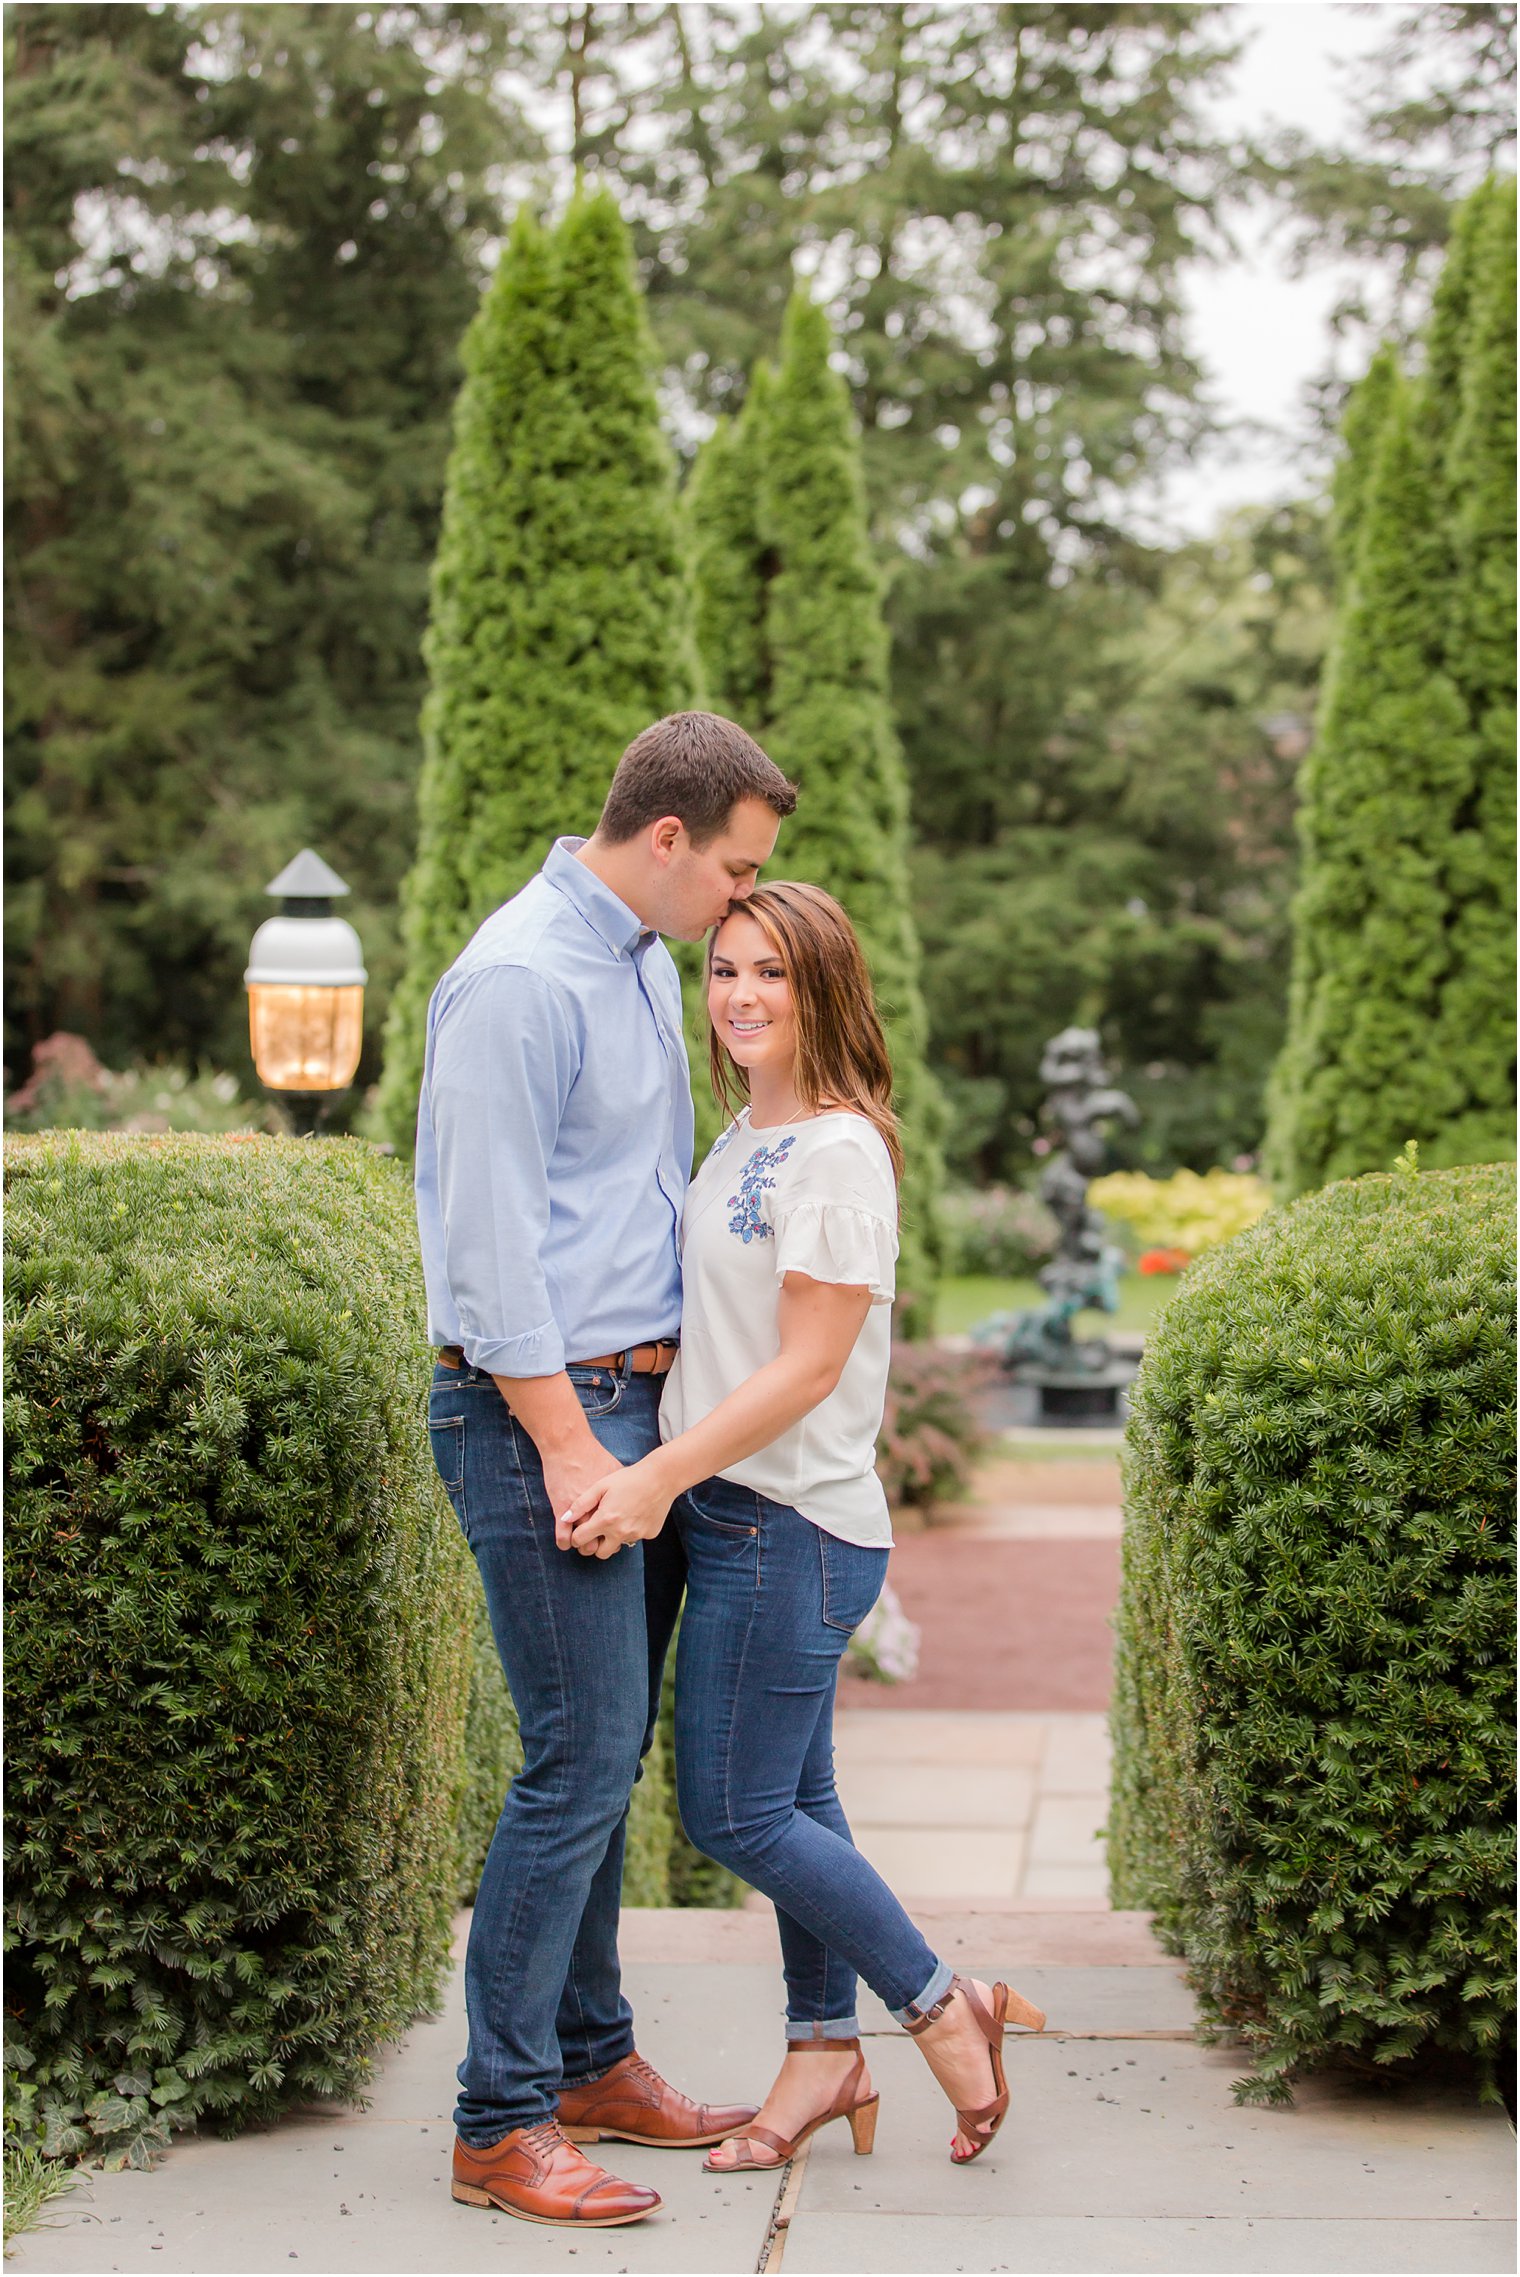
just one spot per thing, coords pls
(1260, 334)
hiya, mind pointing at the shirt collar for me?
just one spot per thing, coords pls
(610, 918)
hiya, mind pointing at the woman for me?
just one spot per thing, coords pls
(769, 1425)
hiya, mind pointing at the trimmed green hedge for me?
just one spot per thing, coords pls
(1314, 1710)
(238, 1629)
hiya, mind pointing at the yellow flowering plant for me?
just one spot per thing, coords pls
(1189, 1211)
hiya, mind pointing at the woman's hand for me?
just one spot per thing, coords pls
(628, 1506)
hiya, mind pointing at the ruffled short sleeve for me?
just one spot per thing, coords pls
(838, 1241)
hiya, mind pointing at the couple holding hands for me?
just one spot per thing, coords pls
(659, 1395)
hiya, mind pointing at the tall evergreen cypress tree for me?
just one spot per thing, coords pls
(1477, 1004)
(1390, 770)
(794, 642)
(729, 564)
(560, 610)
(1400, 1020)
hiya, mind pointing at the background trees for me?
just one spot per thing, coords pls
(241, 250)
(560, 621)
(267, 228)
(1401, 1020)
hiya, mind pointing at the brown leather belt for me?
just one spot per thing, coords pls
(642, 1359)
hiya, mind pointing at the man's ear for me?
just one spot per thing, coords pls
(665, 836)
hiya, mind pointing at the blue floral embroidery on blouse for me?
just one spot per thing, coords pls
(746, 1221)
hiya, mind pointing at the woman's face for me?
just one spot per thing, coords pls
(749, 999)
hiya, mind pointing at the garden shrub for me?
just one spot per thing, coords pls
(238, 1632)
(1314, 1707)
(1188, 1211)
(1001, 1231)
(929, 1433)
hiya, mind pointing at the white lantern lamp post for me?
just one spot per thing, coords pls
(305, 982)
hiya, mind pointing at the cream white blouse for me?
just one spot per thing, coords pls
(815, 1197)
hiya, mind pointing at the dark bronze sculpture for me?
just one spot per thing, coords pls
(1077, 1378)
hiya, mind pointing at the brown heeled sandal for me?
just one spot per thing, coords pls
(861, 2115)
(1008, 2007)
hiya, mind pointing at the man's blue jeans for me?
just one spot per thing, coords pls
(771, 1601)
(542, 1987)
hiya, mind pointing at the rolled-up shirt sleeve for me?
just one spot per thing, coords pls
(503, 1060)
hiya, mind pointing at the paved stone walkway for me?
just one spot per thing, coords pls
(1124, 2151)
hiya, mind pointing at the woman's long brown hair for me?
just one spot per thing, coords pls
(841, 1052)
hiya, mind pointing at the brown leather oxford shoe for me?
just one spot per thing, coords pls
(536, 2175)
(632, 2104)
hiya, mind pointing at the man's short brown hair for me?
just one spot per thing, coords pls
(695, 766)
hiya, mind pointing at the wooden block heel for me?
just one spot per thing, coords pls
(1022, 2011)
(863, 2126)
(469, 2196)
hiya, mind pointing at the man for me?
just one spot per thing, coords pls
(553, 1150)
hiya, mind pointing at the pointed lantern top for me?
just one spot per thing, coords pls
(307, 878)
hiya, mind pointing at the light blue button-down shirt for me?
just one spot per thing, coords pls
(554, 1131)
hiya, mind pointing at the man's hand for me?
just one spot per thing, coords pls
(571, 1473)
(573, 1458)
(631, 1506)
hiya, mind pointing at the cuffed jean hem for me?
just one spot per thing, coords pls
(937, 1987)
(475, 2142)
(835, 2028)
(590, 2078)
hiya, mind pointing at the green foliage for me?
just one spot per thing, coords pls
(1314, 1706)
(31, 2182)
(1103, 815)
(70, 1090)
(792, 608)
(1004, 1231)
(929, 1433)
(1401, 1012)
(1478, 486)
(238, 1634)
(559, 610)
(1185, 1212)
(241, 246)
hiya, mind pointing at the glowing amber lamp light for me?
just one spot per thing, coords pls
(305, 983)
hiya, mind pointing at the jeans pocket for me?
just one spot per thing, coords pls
(447, 1436)
(724, 1509)
(852, 1579)
(599, 1391)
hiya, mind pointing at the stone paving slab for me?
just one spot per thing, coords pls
(1086, 1483)
(351, 2193)
(834, 2245)
(1020, 1936)
(1036, 1521)
(1147, 2131)
(1075, 2000)
(935, 1795)
(979, 1806)
(935, 1735)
